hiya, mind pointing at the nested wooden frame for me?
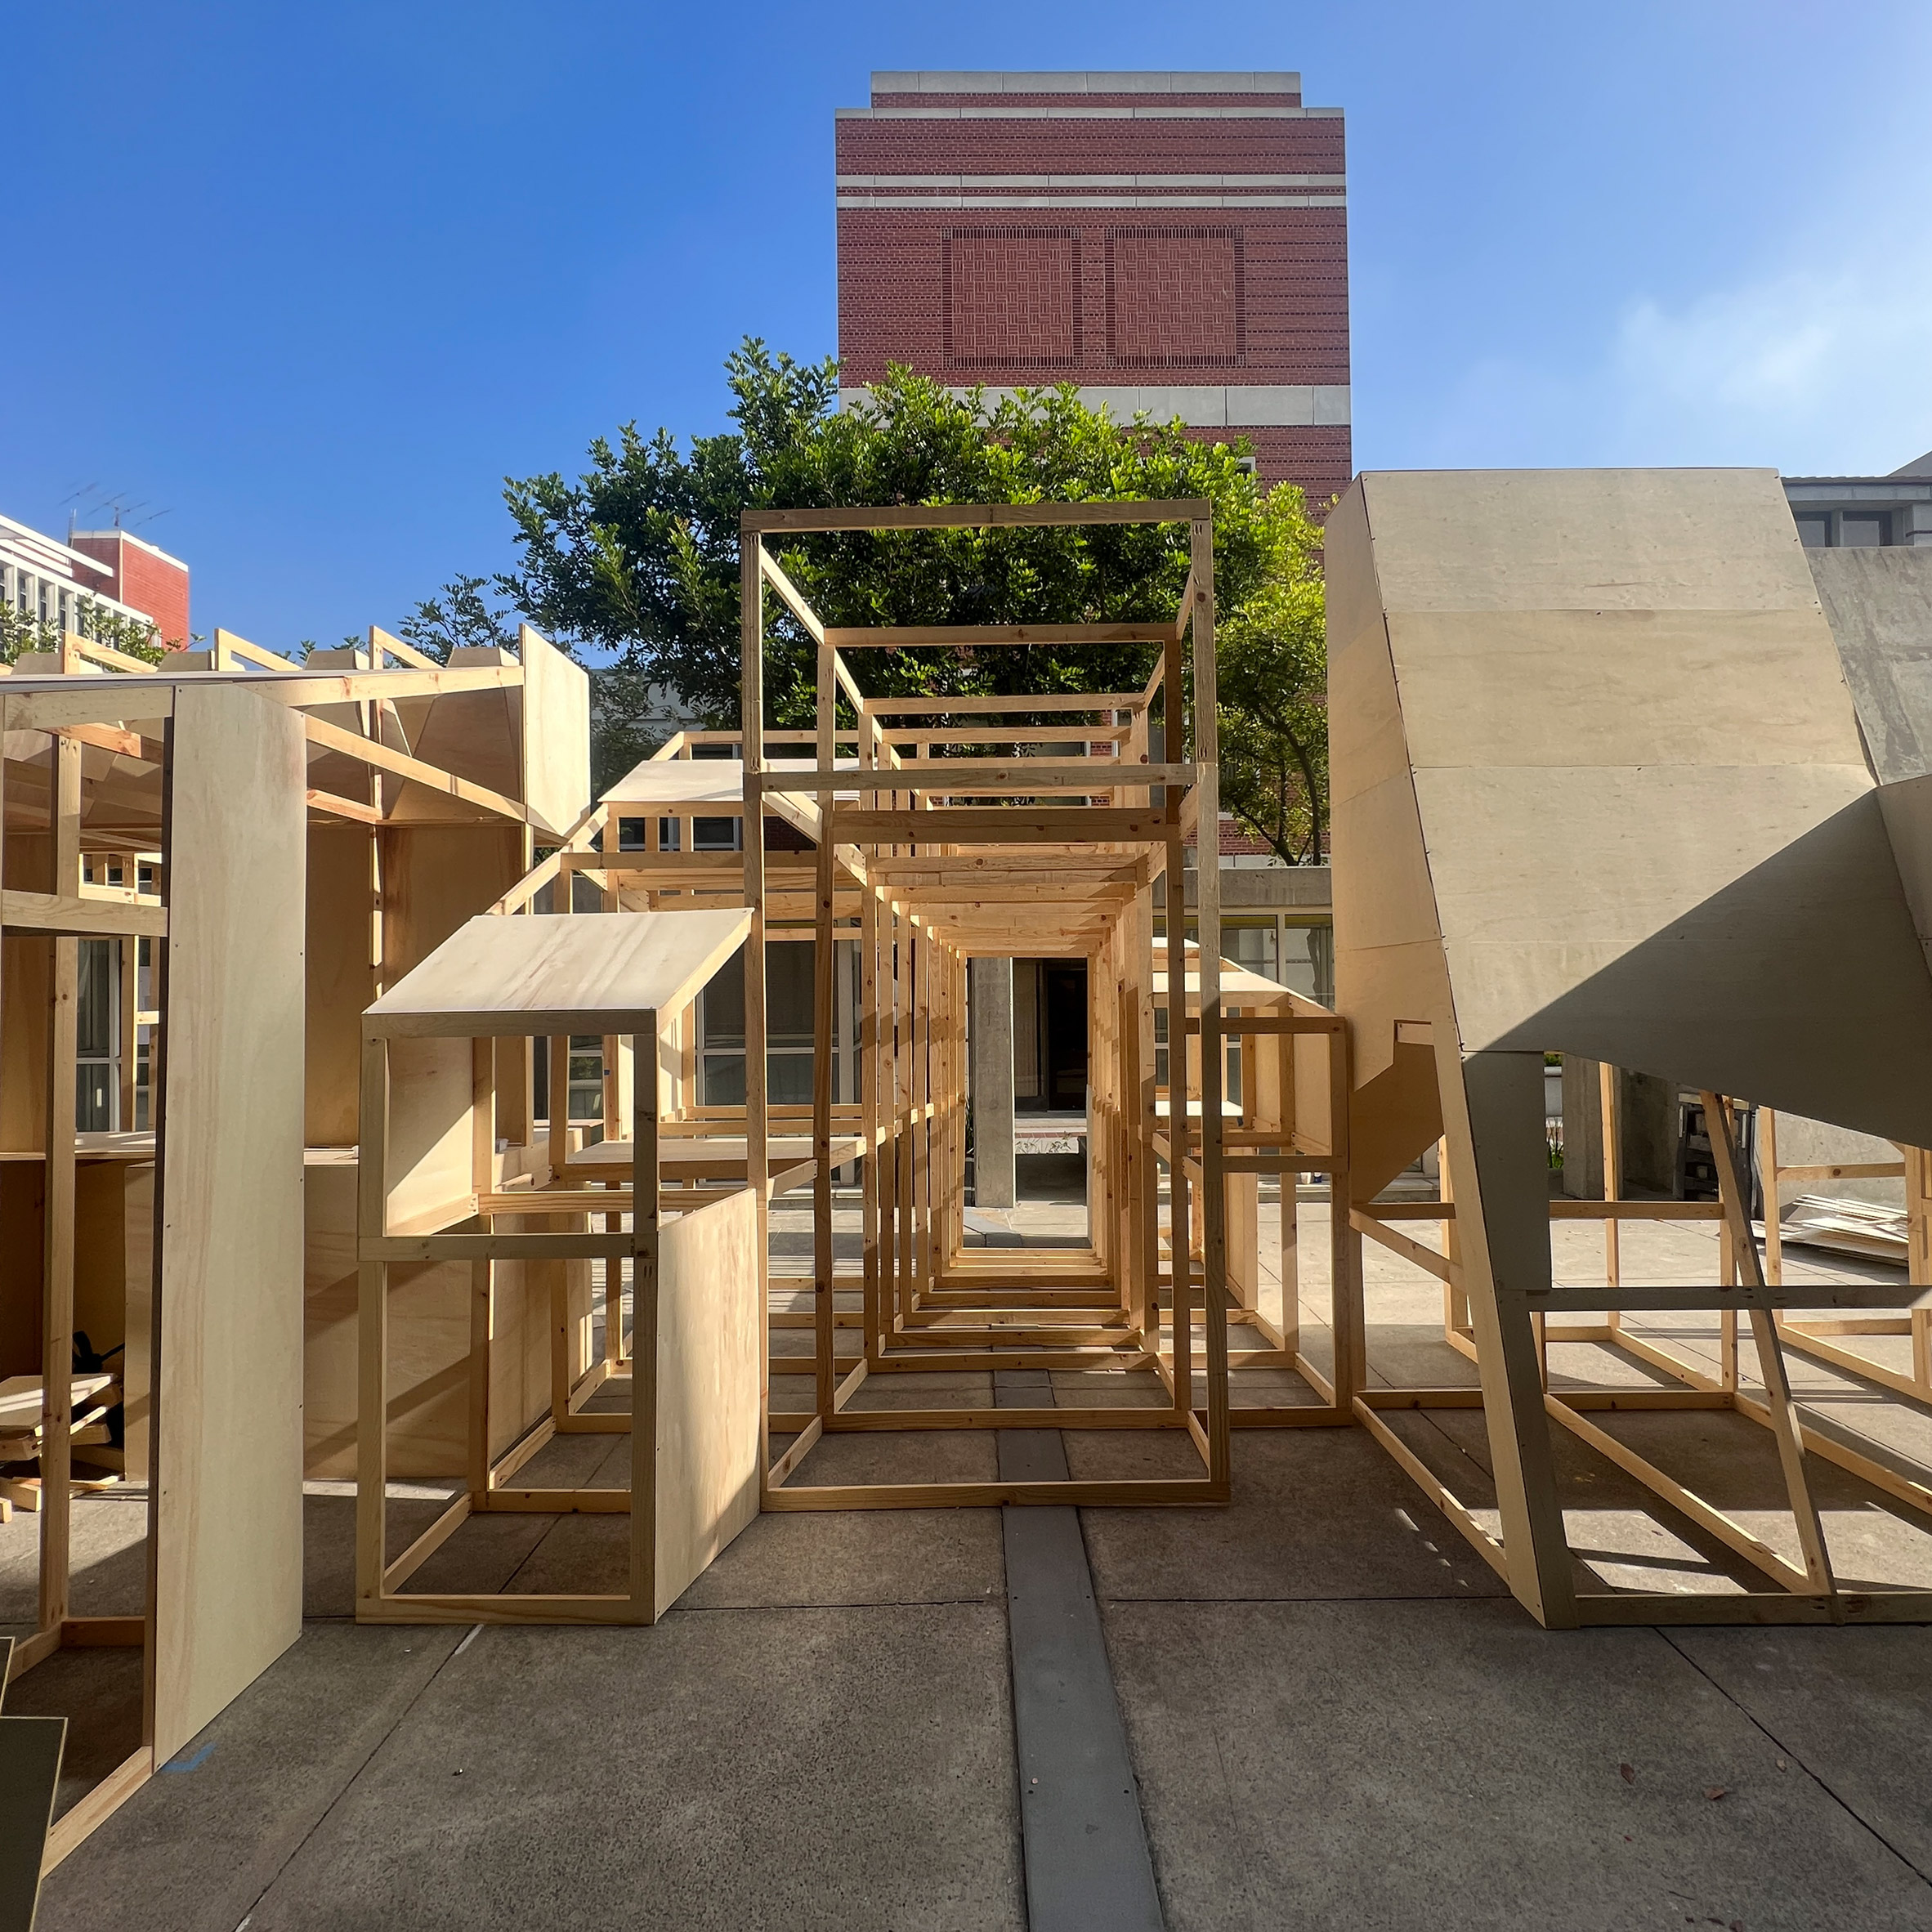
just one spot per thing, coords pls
(918, 1282)
(472, 1238)
(1540, 1576)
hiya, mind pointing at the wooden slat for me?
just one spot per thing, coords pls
(977, 515)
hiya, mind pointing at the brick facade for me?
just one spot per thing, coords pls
(147, 579)
(1172, 242)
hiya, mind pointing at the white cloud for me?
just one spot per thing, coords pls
(1821, 370)
(1819, 366)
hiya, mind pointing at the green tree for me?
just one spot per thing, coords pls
(458, 617)
(638, 558)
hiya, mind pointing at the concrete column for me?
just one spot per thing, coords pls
(990, 1028)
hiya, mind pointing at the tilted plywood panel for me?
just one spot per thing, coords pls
(1606, 855)
(228, 1394)
(475, 734)
(710, 1349)
(681, 781)
(1365, 743)
(1907, 808)
(556, 734)
(1585, 540)
(1879, 603)
(1383, 891)
(1621, 687)
(579, 973)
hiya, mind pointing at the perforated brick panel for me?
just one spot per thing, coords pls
(1174, 298)
(1011, 297)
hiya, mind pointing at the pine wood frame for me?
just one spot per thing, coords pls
(1806, 1594)
(110, 718)
(921, 1286)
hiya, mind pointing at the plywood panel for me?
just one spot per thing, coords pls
(429, 1339)
(1586, 540)
(228, 1468)
(1879, 603)
(113, 1226)
(535, 973)
(475, 733)
(556, 734)
(1621, 687)
(710, 1343)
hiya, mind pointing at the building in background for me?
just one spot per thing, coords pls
(1864, 512)
(113, 571)
(1175, 243)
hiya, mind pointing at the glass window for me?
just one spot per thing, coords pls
(97, 1038)
(716, 835)
(1864, 529)
(586, 1077)
(1814, 531)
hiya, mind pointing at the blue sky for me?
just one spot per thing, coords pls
(315, 279)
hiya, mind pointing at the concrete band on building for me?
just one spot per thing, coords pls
(1171, 243)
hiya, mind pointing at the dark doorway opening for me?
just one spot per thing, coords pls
(1065, 1032)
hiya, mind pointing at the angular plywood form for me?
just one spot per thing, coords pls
(1599, 789)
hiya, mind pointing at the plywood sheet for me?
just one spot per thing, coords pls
(429, 1338)
(341, 975)
(710, 1346)
(556, 734)
(536, 973)
(1879, 603)
(1585, 540)
(228, 1464)
(1621, 687)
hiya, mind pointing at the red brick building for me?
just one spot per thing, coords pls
(141, 576)
(1175, 243)
(105, 571)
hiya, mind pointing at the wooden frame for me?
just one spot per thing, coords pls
(163, 809)
(927, 861)
(1533, 678)
(205, 779)
(695, 1363)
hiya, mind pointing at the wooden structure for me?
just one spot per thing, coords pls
(203, 783)
(229, 854)
(1599, 789)
(695, 1356)
(963, 828)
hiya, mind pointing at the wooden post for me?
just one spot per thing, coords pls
(56, 1450)
(758, 1165)
(372, 1320)
(645, 1185)
(1213, 1179)
(1777, 1392)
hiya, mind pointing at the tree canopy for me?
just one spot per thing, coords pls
(636, 560)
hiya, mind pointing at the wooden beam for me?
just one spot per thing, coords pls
(977, 515)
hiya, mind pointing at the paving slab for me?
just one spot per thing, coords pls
(850, 1557)
(1316, 1513)
(1450, 1765)
(724, 1769)
(192, 1851)
(1853, 1706)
